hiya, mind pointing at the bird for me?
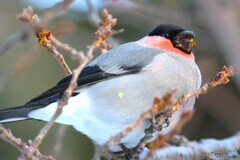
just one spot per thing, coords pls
(117, 86)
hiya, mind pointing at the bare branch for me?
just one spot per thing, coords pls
(7, 135)
(26, 17)
(76, 55)
(161, 140)
(205, 149)
(222, 77)
(43, 40)
(95, 19)
(104, 31)
(22, 35)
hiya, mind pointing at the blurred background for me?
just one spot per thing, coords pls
(26, 69)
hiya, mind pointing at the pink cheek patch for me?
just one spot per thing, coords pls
(166, 45)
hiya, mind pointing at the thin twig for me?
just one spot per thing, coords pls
(43, 40)
(6, 135)
(21, 35)
(26, 31)
(104, 31)
(76, 55)
(95, 19)
(222, 77)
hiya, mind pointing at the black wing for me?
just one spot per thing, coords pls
(89, 75)
(109, 65)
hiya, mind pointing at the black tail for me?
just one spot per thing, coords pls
(16, 113)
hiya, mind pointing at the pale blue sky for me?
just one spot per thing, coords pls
(78, 5)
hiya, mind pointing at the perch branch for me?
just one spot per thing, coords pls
(161, 140)
(158, 106)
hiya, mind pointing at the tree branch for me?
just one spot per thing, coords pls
(43, 40)
(205, 149)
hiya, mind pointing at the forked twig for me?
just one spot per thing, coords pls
(7, 135)
(43, 40)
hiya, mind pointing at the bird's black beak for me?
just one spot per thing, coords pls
(185, 41)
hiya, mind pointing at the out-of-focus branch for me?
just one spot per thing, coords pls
(15, 38)
(95, 19)
(104, 31)
(205, 149)
(30, 57)
(21, 35)
(26, 31)
(58, 142)
(26, 16)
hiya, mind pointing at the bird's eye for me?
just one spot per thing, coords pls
(165, 35)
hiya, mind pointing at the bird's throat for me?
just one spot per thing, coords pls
(166, 45)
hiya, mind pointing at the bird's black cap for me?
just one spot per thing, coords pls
(168, 31)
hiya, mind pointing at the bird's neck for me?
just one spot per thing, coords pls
(165, 45)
